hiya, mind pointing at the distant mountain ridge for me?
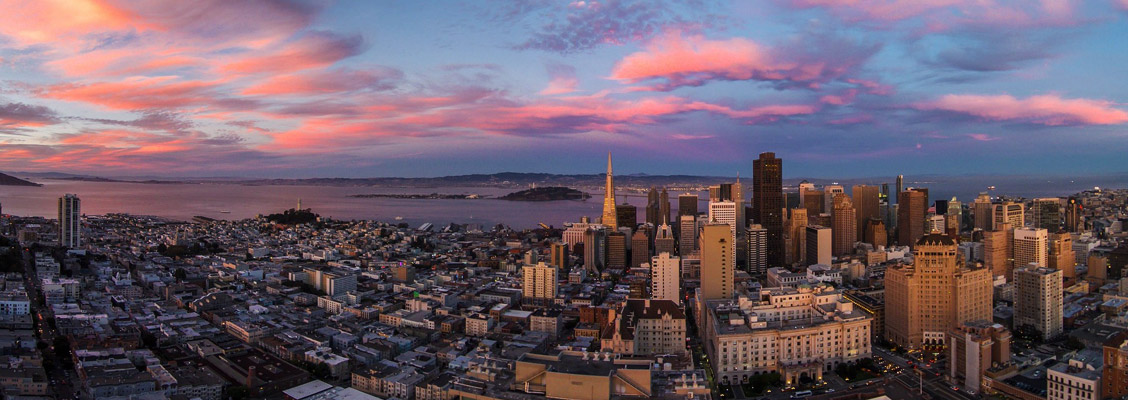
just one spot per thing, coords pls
(8, 180)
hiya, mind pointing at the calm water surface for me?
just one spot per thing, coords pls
(183, 201)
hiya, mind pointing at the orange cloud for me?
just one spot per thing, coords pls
(314, 50)
(1043, 109)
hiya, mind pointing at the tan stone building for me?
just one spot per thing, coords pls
(581, 376)
(973, 348)
(1038, 299)
(795, 332)
(717, 260)
(934, 294)
(540, 282)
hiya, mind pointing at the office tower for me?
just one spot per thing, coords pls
(559, 256)
(616, 250)
(843, 225)
(1009, 212)
(663, 207)
(70, 221)
(867, 204)
(687, 236)
(664, 241)
(610, 216)
(640, 248)
(653, 214)
(813, 202)
(804, 186)
(1061, 255)
(952, 224)
(687, 205)
(995, 245)
(540, 282)
(934, 294)
(973, 348)
(818, 245)
(889, 217)
(595, 243)
(900, 185)
(936, 224)
(1038, 300)
(1072, 215)
(767, 201)
(716, 262)
(797, 232)
(875, 233)
(983, 212)
(1047, 213)
(757, 250)
(955, 208)
(1031, 245)
(884, 196)
(724, 212)
(911, 206)
(626, 216)
(941, 207)
(829, 192)
(665, 277)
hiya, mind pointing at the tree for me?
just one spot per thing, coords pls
(180, 274)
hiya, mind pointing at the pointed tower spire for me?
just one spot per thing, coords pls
(610, 215)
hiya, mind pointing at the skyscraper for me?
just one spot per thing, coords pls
(797, 233)
(1072, 215)
(982, 212)
(687, 236)
(559, 256)
(663, 207)
(1047, 213)
(1009, 212)
(1038, 300)
(911, 207)
(652, 210)
(900, 185)
(843, 225)
(70, 221)
(875, 233)
(1061, 254)
(610, 216)
(626, 216)
(995, 249)
(664, 241)
(687, 205)
(934, 294)
(955, 208)
(616, 250)
(757, 250)
(866, 203)
(640, 248)
(1031, 245)
(767, 201)
(716, 262)
(818, 245)
(665, 277)
(724, 212)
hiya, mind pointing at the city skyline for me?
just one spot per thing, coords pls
(291, 89)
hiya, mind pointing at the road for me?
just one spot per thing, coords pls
(934, 386)
(61, 379)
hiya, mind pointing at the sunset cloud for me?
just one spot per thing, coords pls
(1043, 109)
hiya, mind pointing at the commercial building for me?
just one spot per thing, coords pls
(911, 207)
(1038, 300)
(934, 294)
(665, 277)
(767, 202)
(1030, 246)
(844, 226)
(717, 260)
(974, 347)
(757, 250)
(646, 327)
(1077, 378)
(818, 245)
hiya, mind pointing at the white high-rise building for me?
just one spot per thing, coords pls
(757, 250)
(1038, 299)
(724, 212)
(665, 277)
(1031, 245)
(70, 221)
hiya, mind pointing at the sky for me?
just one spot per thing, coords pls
(836, 88)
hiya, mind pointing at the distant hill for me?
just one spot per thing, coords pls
(8, 180)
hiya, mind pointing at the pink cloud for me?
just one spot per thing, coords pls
(563, 80)
(311, 51)
(675, 60)
(1043, 109)
(139, 93)
(323, 82)
(691, 137)
(982, 137)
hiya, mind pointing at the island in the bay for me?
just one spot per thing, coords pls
(8, 180)
(546, 194)
(432, 196)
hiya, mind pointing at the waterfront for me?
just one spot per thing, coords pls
(184, 201)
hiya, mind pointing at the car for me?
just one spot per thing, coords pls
(831, 390)
(956, 388)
